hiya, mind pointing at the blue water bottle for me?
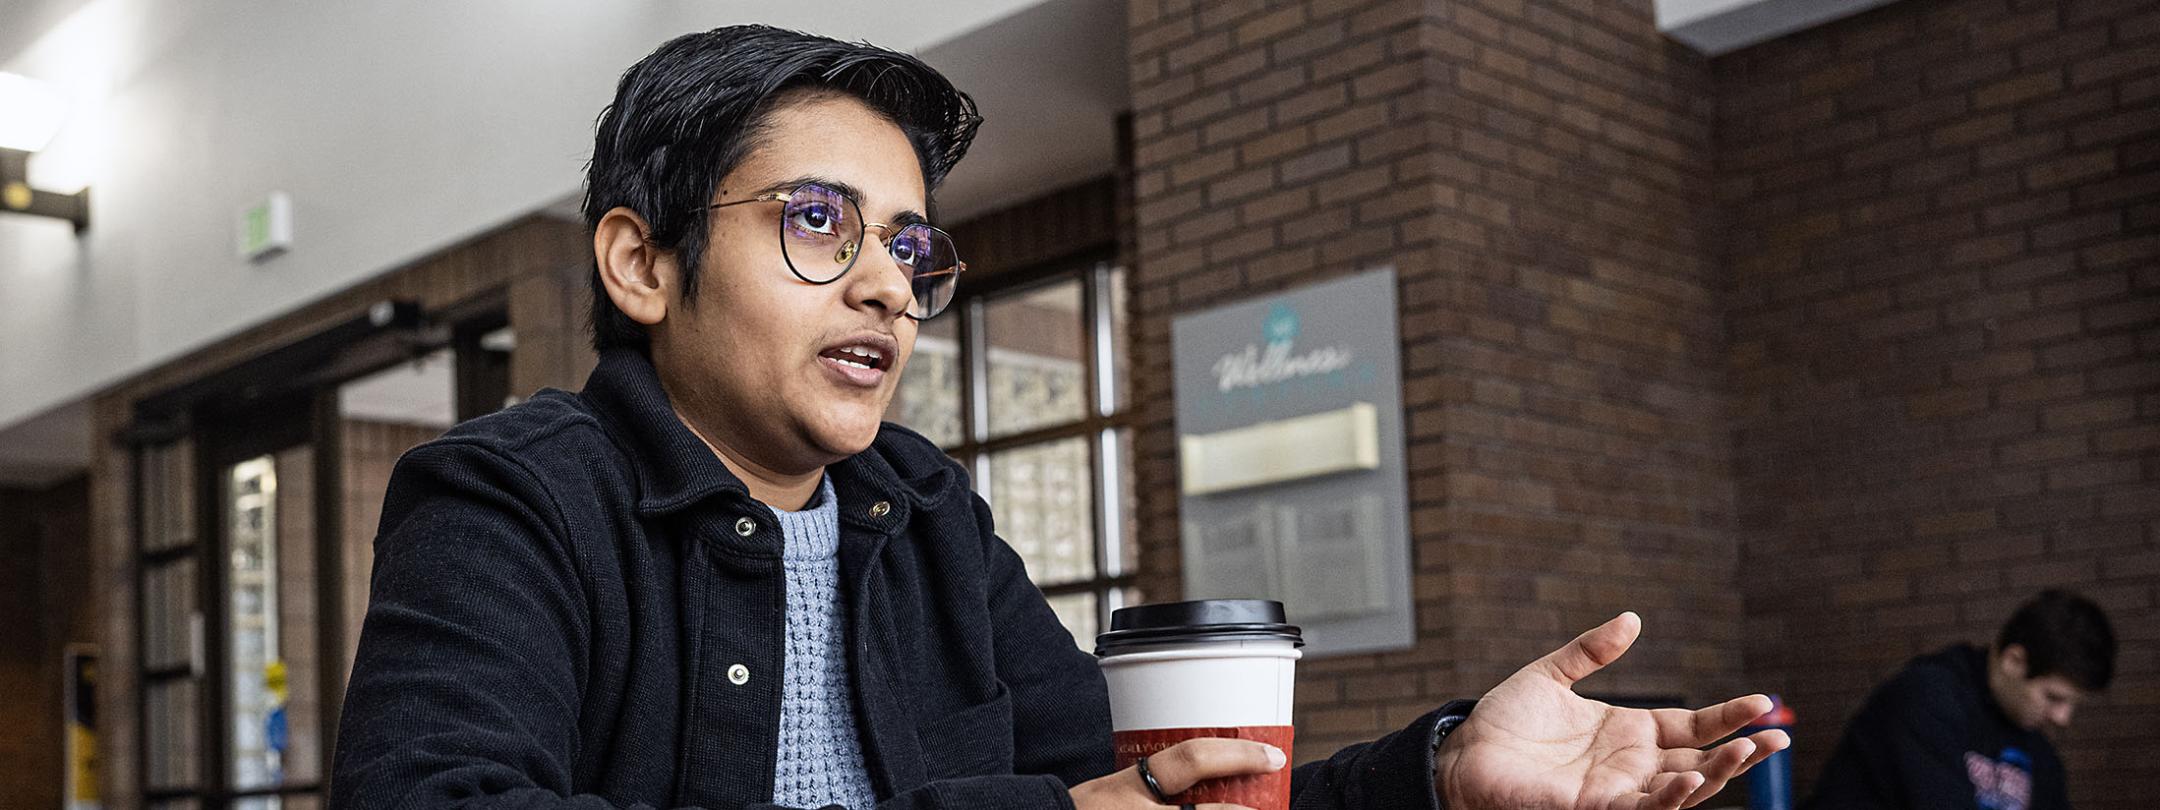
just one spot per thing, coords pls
(1769, 783)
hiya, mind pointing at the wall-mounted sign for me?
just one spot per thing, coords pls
(1290, 445)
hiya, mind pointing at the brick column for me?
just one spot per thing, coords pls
(1539, 173)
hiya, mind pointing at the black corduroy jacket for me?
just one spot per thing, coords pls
(575, 605)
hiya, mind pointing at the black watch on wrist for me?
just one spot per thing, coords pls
(1447, 724)
(1456, 714)
(1451, 715)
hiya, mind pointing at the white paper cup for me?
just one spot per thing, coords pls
(1210, 668)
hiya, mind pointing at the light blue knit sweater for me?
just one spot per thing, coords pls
(821, 756)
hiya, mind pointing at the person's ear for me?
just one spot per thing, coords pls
(638, 276)
(2013, 661)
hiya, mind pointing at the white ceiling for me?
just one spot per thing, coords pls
(1050, 81)
(23, 21)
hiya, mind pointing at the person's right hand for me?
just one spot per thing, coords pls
(1532, 743)
(1179, 767)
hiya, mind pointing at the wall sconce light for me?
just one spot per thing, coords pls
(30, 114)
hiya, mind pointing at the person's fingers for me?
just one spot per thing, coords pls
(1592, 650)
(1670, 796)
(1664, 792)
(1681, 728)
(1720, 765)
(1193, 761)
(1675, 760)
(1644, 800)
(1713, 763)
(1726, 762)
(1766, 743)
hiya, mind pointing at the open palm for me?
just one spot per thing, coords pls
(1533, 743)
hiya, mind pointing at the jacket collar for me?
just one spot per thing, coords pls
(676, 469)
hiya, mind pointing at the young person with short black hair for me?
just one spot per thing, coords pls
(714, 579)
(1966, 728)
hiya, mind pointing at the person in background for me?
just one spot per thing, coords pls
(1966, 728)
(713, 578)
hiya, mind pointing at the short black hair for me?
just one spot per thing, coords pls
(2063, 634)
(690, 112)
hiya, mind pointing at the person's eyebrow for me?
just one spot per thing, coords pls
(909, 217)
(905, 217)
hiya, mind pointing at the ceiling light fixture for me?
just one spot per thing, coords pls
(30, 115)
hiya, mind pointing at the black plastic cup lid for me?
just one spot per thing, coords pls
(1198, 621)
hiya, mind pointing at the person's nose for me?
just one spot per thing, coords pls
(877, 279)
(2061, 716)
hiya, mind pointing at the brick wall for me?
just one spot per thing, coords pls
(1275, 144)
(371, 451)
(1945, 324)
(1539, 174)
(1571, 336)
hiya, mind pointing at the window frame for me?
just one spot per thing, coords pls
(1105, 420)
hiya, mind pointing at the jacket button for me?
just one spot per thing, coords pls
(745, 527)
(738, 674)
(880, 509)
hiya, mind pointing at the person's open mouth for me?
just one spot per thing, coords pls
(861, 360)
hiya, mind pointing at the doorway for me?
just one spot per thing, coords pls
(258, 489)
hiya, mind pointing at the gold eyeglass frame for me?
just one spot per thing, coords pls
(849, 250)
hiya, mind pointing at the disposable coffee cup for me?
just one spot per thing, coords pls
(1209, 668)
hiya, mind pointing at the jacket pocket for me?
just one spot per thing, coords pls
(974, 741)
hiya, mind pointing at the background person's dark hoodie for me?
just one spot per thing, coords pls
(1934, 737)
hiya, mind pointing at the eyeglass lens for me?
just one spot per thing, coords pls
(821, 233)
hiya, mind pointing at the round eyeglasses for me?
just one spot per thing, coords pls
(822, 232)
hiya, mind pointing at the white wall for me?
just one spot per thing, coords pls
(398, 128)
